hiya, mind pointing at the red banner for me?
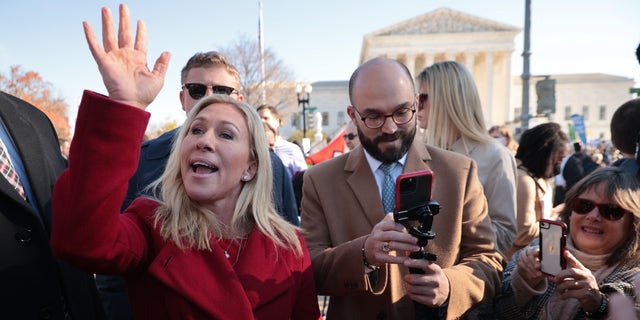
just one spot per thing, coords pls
(335, 148)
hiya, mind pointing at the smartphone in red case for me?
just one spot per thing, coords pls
(413, 189)
(553, 239)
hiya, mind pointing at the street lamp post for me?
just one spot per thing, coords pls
(524, 117)
(303, 92)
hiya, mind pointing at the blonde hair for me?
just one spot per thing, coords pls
(455, 110)
(189, 224)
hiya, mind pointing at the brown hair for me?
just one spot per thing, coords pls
(621, 189)
(208, 60)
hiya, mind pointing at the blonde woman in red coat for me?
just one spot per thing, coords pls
(210, 245)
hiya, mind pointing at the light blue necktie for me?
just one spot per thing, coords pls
(388, 186)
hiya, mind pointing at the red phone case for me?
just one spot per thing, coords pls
(405, 198)
(552, 246)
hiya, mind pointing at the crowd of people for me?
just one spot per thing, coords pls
(220, 218)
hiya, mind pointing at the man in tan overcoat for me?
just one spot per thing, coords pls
(358, 252)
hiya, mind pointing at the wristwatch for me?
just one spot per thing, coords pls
(602, 309)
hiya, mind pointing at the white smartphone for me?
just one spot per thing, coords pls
(553, 238)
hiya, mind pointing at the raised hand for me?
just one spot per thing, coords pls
(123, 64)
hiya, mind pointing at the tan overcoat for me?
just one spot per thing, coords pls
(340, 206)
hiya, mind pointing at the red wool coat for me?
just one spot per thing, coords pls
(164, 281)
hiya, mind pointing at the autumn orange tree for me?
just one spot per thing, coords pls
(29, 86)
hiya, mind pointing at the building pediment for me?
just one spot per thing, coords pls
(442, 21)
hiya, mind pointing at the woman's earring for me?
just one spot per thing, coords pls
(245, 178)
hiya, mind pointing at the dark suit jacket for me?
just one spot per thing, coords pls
(32, 281)
(340, 206)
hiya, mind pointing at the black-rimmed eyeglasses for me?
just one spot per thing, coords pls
(198, 90)
(376, 120)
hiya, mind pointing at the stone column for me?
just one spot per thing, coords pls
(421, 63)
(449, 56)
(470, 61)
(429, 59)
(505, 87)
(488, 107)
(410, 62)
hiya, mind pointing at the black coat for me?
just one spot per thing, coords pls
(578, 166)
(32, 281)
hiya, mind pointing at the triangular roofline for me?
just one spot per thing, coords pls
(483, 24)
(426, 26)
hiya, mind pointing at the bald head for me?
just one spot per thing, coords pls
(380, 73)
(379, 89)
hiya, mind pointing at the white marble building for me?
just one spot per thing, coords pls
(486, 48)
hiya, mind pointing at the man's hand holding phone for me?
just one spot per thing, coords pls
(388, 236)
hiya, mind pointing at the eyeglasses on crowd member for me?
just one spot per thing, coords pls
(351, 138)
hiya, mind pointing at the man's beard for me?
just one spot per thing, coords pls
(391, 154)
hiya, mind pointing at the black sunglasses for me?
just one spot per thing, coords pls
(610, 212)
(423, 97)
(198, 90)
(349, 136)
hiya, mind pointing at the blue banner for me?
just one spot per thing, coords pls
(578, 124)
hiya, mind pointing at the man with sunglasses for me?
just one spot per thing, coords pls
(204, 74)
(351, 136)
(358, 252)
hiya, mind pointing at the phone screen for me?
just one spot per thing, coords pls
(553, 235)
(413, 189)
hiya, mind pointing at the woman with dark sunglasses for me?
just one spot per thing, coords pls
(602, 255)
